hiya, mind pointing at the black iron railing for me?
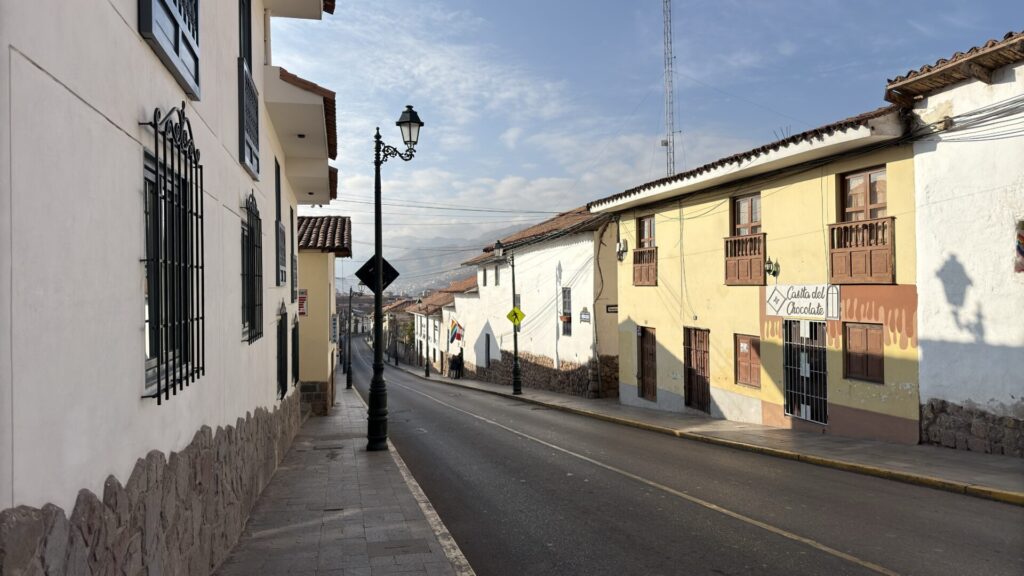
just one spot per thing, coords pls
(252, 272)
(295, 352)
(175, 300)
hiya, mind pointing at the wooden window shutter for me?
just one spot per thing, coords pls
(865, 355)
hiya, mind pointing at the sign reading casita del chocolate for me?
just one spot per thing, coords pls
(819, 301)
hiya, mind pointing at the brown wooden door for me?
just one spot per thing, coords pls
(647, 370)
(696, 344)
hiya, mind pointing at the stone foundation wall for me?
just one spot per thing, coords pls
(609, 376)
(539, 372)
(176, 515)
(955, 426)
(317, 397)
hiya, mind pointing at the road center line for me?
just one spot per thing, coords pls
(699, 501)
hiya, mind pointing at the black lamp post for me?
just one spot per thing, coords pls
(517, 376)
(348, 344)
(377, 416)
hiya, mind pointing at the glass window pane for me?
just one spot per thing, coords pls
(878, 188)
(855, 191)
(755, 209)
(878, 213)
(742, 211)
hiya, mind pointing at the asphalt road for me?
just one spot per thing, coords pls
(531, 491)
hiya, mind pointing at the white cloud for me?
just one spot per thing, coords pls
(511, 136)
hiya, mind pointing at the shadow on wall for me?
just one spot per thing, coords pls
(956, 283)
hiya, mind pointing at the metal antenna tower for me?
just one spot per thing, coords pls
(670, 130)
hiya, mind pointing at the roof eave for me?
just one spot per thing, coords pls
(877, 130)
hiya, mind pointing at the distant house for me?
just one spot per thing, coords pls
(566, 285)
(431, 336)
(969, 199)
(322, 239)
(397, 322)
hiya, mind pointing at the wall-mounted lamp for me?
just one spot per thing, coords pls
(772, 269)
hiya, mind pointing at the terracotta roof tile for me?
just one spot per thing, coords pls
(332, 178)
(330, 108)
(329, 6)
(813, 134)
(326, 234)
(946, 71)
(575, 220)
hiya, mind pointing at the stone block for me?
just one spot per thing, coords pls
(22, 532)
(978, 445)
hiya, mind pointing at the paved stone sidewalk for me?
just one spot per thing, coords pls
(986, 475)
(334, 508)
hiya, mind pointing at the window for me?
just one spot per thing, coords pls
(864, 195)
(295, 352)
(487, 350)
(485, 276)
(174, 292)
(746, 215)
(248, 97)
(252, 272)
(645, 232)
(295, 258)
(171, 28)
(863, 354)
(566, 311)
(282, 354)
(282, 263)
(645, 255)
(497, 275)
(748, 360)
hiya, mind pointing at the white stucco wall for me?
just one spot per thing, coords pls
(77, 82)
(969, 196)
(542, 270)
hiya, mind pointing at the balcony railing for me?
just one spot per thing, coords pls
(862, 252)
(645, 266)
(248, 120)
(744, 260)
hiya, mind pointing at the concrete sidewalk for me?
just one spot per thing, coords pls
(334, 508)
(985, 475)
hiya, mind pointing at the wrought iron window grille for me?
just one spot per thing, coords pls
(175, 263)
(282, 353)
(252, 272)
(295, 351)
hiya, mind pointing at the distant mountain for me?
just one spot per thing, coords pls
(429, 267)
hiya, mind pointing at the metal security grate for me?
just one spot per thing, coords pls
(295, 353)
(805, 371)
(282, 354)
(252, 272)
(175, 281)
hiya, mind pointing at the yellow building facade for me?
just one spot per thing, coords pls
(828, 343)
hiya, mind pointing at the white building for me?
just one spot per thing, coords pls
(430, 322)
(970, 212)
(147, 140)
(566, 286)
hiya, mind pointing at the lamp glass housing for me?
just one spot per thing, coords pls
(410, 124)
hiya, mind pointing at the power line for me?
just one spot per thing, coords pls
(458, 208)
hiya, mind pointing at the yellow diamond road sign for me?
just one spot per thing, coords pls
(515, 316)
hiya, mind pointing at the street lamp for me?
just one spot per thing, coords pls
(348, 344)
(517, 377)
(377, 416)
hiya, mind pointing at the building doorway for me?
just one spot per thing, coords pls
(696, 345)
(804, 370)
(647, 368)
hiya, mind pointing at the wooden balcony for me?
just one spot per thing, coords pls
(744, 260)
(645, 266)
(862, 252)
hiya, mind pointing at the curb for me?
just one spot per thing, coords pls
(456, 558)
(976, 490)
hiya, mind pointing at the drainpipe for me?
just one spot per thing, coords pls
(595, 387)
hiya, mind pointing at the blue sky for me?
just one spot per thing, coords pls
(533, 105)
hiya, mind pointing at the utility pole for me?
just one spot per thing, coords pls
(670, 129)
(348, 343)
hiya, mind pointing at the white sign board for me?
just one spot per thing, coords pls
(816, 301)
